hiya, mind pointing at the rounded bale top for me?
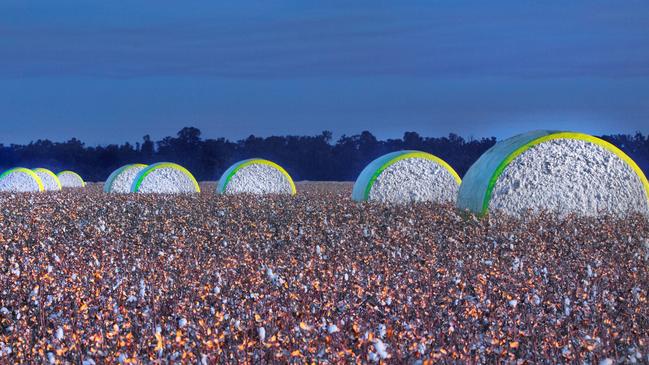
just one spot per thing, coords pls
(121, 180)
(49, 179)
(406, 176)
(562, 172)
(70, 179)
(256, 176)
(20, 180)
(165, 178)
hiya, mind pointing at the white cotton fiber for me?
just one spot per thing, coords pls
(413, 180)
(19, 182)
(167, 180)
(70, 180)
(124, 180)
(49, 180)
(259, 179)
(569, 176)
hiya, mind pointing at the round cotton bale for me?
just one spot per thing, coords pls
(121, 180)
(558, 172)
(50, 181)
(256, 176)
(165, 178)
(70, 179)
(20, 180)
(407, 176)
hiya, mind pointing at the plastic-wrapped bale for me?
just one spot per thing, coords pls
(165, 178)
(20, 180)
(121, 180)
(256, 176)
(407, 176)
(558, 172)
(49, 179)
(70, 179)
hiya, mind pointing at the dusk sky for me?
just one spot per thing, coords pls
(113, 71)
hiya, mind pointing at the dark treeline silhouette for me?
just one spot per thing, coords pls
(304, 157)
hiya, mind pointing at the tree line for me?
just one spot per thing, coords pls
(304, 157)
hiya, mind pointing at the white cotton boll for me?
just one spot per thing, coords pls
(182, 322)
(51, 358)
(261, 331)
(606, 361)
(421, 348)
(381, 349)
(374, 357)
(142, 288)
(59, 334)
(566, 306)
(88, 361)
(271, 276)
(332, 328)
(513, 303)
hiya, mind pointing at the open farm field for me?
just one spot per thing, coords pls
(88, 277)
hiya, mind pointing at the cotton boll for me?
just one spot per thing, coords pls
(381, 349)
(59, 334)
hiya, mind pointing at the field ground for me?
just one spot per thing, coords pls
(96, 278)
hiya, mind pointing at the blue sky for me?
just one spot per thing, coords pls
(112, 71)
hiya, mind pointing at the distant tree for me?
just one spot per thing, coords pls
(305, 157)
(147, 149)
